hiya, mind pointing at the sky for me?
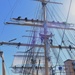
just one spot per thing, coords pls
(8, 9)
(24, 8)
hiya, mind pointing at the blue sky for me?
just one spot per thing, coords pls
(24, 8)
(8, 9)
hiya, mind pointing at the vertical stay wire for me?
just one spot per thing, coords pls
(61, 12)
(56, 13)
(69, 11)
(65, 44)
(33, 28)
(37, 12)
(11, 10)
(64, 29)
(66, 20)
(8, 14)
(71, 35)
(5, 18)
(49, 13)
(52, 13)
(59, 49)
(52, 50)
(14, 7)
(61, 37)
(56, 55)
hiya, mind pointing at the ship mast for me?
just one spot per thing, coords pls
(45, 33)
(44, 10)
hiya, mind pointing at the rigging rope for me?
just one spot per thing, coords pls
(57, 14)
(11, 10)
(66, 20)
(69, 11)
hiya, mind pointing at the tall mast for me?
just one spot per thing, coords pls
(42, 24)
(45, 35)
(44, 10)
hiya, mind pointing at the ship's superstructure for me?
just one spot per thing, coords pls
(70, 67)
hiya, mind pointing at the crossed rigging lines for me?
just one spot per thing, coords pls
(64, 33)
